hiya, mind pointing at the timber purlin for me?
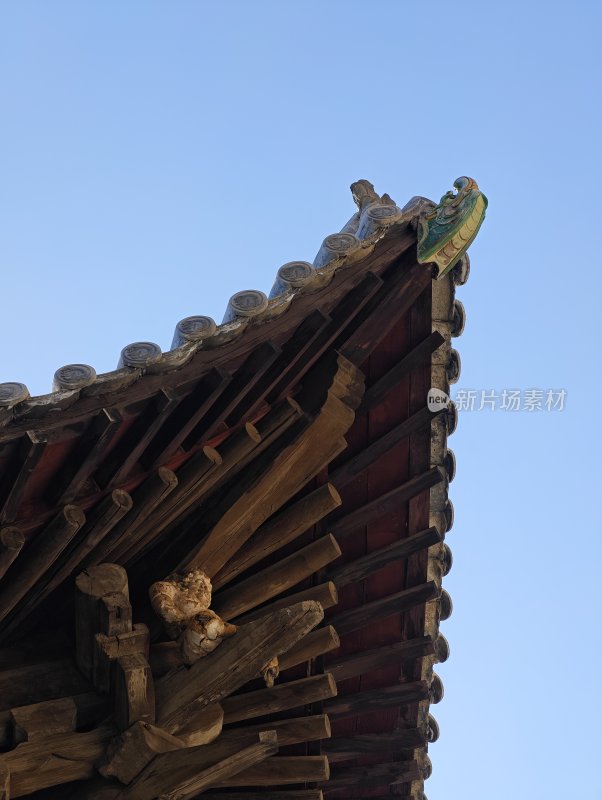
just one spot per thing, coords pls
(221, 565)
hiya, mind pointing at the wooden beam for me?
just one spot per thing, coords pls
(50, 762)
(342, 317)
(358, 464)
(293, 351)
(281, 771)
(315, 644)
(235, 662)
(386, 502)
(280, 530)
(11, 544)
(367, 565)
(283, 794)
(247, 376)
(129, 753)
(134, 691)
(368, 661)
(42, 553)
(183, 774)
(42, 720)
(404, 282)
(120, 462)
(273, 581)
(296, 730)
(360, 617)
(16, 479)
(188, 413)
(146, 498)
(376, 699)
(91, 586)
(90, 709)
(194, 475)
(346, 748)
(418, 356)
(372, 777)
(240, 515)
(150, 496)
(87, 455)
(281, 697)
(100, 521)
(324, 593)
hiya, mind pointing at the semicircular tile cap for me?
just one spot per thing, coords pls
(140, 355)
(73, 376)
(449, 515)
(447, 559)
(292, 275)
(12, 393)
(432, 729)
(446, 605)
(454, 366)
(377, 216)
(458, 318)
(245, 304)
(193, 329)
(451, 418)
(337, 245)
(449, 462)
(437, 689)
(461, 270)
(426, 766)
(441, 649)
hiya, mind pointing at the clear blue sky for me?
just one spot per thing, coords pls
(159, 156)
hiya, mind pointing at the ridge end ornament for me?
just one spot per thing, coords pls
(446, 233)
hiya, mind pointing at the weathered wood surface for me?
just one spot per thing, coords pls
(91, 586)
(325, 594)
(41, 555)
(371, 777)
(291, 469)
(420, 354)
(272, 581)
(237, 661)
(107, 649)
(370, 455)
(99, 522)
(151, 493)
(14, 482)
(281, 771)
(367, 565)
(368, 661)
(134, 691)
(375, 699)
(281, 697)
(89, 451)
(42, 720)
(347, 748)
(183, 774)
(128, 754)
(279, 531)
(283, 794)
(311, 646)
(356, 618)
(90, 709)
(295, 730)
(11, 544)
(70, 757)
(387, 502)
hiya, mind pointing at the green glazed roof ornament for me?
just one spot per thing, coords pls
(446, 233)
